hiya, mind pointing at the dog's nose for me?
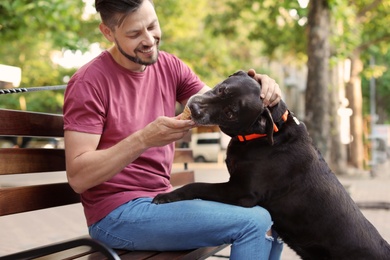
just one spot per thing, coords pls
(195, 110)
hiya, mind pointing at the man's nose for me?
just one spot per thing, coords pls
(148, 39)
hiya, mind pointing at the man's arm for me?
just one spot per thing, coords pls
(88, 167)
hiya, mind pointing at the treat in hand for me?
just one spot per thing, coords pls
(186, 115)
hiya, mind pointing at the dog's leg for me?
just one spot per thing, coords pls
(220, 192)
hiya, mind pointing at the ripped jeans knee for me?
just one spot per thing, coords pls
(277, 245)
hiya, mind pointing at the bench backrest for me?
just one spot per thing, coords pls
(30, 161)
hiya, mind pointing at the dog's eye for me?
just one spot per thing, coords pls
(221, 90)
(229, 114)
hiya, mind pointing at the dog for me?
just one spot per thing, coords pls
(273, 163)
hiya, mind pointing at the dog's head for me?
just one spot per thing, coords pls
(236, 107)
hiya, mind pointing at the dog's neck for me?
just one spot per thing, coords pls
(269, 121)
(276, 126)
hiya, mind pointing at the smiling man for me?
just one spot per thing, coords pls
(140, 40)
(120, 125)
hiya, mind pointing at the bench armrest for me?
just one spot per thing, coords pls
(62, 246)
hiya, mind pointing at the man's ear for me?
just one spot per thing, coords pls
(107, 32)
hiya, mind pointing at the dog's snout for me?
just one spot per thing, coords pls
(199, 112)
(195, 109)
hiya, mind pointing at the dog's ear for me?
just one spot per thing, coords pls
(238, 73)
(265, 125)
(268, 116)
(269, 125)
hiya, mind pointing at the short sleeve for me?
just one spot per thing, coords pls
(188, 82)
(83, 108)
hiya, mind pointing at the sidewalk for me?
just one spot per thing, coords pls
(29, 230)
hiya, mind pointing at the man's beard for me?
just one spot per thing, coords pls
(136, 59)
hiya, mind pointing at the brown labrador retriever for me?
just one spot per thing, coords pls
(273, 163)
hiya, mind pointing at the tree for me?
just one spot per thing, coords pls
(381, 72)
(282, 32)
(355, 27)
(189, 32)
(30, 32)
(368, 27)
(58, 22)
(317, 97)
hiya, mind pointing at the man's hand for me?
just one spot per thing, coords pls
(165, 130)
(270, 91)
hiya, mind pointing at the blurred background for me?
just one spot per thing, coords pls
(331, 59)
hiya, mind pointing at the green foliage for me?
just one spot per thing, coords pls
(31, 32)
(41, 101)
(278, 25)
(188, 32)
(215, 38)
(57, 21)
(372, 37)
(381, 73)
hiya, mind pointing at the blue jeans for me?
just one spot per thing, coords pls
(142, 225)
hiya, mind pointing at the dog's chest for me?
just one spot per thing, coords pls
(263, 160)
(246, 155)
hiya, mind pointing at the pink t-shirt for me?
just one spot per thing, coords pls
(106, 99)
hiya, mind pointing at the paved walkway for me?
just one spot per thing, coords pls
(29, 230)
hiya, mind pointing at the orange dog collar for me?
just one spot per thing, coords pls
(243, 138)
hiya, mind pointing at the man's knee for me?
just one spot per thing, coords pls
(262, 214)
(261, 220)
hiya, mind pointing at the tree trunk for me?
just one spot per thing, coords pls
(317, 97)
(338, 153)
(354, 96)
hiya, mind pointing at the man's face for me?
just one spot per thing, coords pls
(138, 37)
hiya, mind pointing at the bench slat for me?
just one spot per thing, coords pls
(28, 160)
(183, 155)
(198, 254)
(26, 123)
(142, 255)
(203, 252)
(28, 198)
(77, 247)
(139, 255)
(180, 178)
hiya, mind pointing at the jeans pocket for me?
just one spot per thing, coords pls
(110, 240)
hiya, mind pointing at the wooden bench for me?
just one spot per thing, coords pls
(25, 198)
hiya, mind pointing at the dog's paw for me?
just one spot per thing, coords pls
(164, 198)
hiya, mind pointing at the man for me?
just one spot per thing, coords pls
(119, 131)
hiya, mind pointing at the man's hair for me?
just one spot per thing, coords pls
(113, 12)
